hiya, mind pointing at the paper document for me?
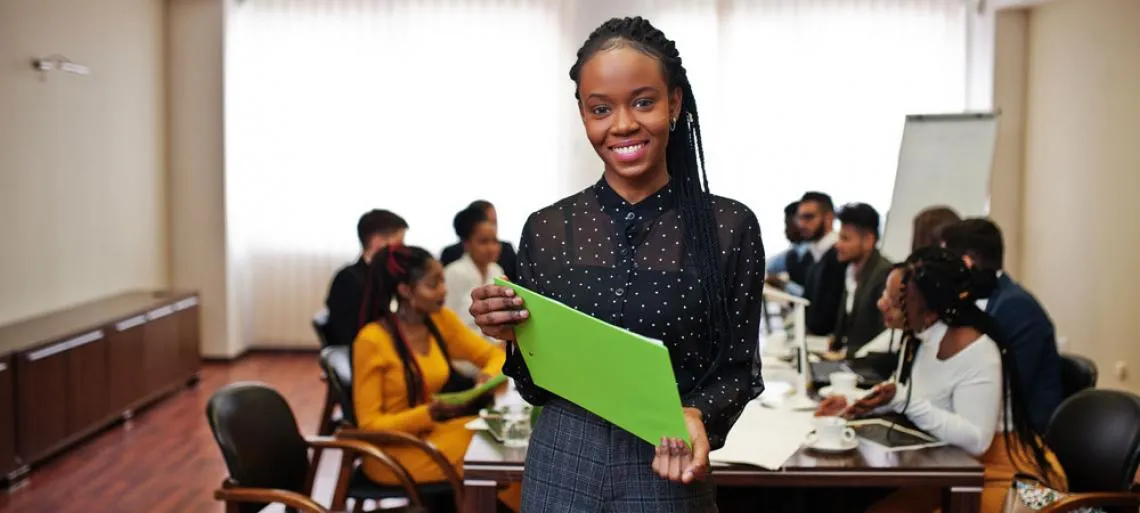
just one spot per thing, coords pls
(765, 437)
(618, 375)
(471, 394)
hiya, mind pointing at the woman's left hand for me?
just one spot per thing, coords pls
(679, 463)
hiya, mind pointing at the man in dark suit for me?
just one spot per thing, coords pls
(823, 281)
(376, 229)
(859, 319)
(507, 258)
(1023, 323)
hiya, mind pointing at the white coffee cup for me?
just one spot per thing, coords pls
(843, 382)
(831, 433)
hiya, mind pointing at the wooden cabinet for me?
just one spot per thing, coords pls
(87, 383)
(161, 347)
(189, 354)
(126, 377)
(41, 400)
(8, 461)
(71, 373)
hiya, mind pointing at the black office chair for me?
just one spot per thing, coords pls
(320, 325)
(1077, 373)
(1095, 435)
(267, 457)
(440, 496)
(329, 420)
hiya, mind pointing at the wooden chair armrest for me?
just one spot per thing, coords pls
(1097, 499)
(268, 495)
(386, 437)
(371, 451)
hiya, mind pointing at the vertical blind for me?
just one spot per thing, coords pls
(334, 107)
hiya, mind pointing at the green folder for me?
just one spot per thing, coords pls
(471, 394)
(618, 375)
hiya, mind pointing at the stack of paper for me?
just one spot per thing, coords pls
(765, 437)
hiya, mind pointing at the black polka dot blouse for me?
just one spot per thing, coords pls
(627, 264)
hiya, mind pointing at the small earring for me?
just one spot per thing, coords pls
(673, 125)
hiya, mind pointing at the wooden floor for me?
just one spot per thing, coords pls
(165, 460)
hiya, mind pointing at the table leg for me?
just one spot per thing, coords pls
(480, 496)
(962, 499)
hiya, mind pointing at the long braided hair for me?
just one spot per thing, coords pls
(948, 288)
(685, 161)
(392, 266)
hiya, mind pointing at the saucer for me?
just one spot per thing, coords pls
(852, 395)
(814, 444)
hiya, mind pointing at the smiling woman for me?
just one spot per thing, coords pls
(647, 248)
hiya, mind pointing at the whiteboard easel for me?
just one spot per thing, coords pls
(946, 160)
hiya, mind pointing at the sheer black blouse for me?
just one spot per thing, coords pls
(627, 264)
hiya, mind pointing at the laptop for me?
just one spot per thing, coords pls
(872, 369)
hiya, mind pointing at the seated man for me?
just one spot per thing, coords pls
(823, 283)
(477, 266)
(1020, 318)
(376, 229)
(793, 261)
(507, 258)
(859, 319)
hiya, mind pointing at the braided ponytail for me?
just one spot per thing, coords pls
(685, 161)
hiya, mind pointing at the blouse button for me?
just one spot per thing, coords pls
(619, 292)
(629, 216)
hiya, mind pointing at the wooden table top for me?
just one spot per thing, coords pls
(50, 327)
(869, 465)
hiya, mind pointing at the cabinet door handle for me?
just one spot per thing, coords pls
(189, 302)
(53, 349)
(137, 320)
(159, 313)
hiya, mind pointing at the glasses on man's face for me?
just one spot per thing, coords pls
(807, 216)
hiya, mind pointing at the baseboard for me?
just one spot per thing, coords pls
(262, 350)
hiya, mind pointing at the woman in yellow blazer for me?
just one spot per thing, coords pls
(399, 363)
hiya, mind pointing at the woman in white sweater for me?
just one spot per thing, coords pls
(955, 381)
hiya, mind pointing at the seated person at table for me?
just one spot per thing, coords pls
(928, 226)
(401, 360)
(376, 229)
(477, 266)
(508, 260)
(955, 381)
(791, 261)
(823, 282)
(1021, 319)
(859, 319)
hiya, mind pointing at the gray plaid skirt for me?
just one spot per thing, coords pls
(579, 463)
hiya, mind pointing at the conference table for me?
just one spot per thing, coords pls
(489, 464)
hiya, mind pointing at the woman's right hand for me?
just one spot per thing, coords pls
(833, 406)
(497, 310)
(442, 411)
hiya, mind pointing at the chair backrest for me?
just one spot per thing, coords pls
(321, 325)
(337, 364)
(1095, 435)
(1077, 373)
(258, 436)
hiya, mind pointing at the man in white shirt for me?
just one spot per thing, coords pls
(477, 266)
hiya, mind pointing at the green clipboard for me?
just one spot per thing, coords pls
(614, 373)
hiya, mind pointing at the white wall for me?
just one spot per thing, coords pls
(82, 158)
(1082, 176)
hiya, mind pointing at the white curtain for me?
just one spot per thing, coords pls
(334, 107)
